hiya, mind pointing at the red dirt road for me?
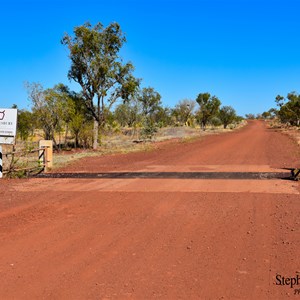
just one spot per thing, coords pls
(150, 238)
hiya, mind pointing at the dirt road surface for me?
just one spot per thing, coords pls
(158, 238)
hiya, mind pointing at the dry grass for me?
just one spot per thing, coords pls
(126, 143)
(112, 143)
(292, 131)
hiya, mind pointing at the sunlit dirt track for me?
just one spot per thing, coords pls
(157, 238)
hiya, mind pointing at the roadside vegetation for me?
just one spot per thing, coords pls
(111, 100)
(112, 104)
(285, 117)
(287, 111)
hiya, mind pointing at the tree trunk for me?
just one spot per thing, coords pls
(96, 134)
(66, 135)
(54, 142)
(59, 140)
(76, 140)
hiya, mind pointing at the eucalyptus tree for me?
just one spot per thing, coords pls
(41, 108)
(227, 115)
(98, 68)
(184, 110)
(52, 108)
(209, 107)
(289, 108)
(128, 113)
(25, 124)
(150, 103)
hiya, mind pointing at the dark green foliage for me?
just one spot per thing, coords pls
(227, 115)
(289, 108)
(97, 67)
(239, 119)
(162, 117)
(26, 124)
(209, 107)
(215, 121)
(266, 115)
(56, 110)
(273, 113)
(149, 129)
(150, 101)
(128, 113)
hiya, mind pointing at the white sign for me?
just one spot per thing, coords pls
(8, 125)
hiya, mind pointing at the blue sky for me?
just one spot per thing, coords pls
(243, 51)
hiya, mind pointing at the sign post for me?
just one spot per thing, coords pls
(8, 125)
(8, 130)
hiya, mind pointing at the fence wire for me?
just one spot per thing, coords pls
(22, 162)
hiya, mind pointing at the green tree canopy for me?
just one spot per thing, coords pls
(227, 115)
(184, 110)
(289, 108)
(26, 124)
(209, 107)
(51, 107)
(150, 100)
(151, 103)
(128, 113)
(97, 67)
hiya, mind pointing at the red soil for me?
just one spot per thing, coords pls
(169, 239)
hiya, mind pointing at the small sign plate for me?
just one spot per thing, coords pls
(8, 125)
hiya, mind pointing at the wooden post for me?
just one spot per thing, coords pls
(48, 154)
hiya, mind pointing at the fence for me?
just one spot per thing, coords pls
(26, 162)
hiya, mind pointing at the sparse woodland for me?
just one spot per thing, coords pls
(111, 100)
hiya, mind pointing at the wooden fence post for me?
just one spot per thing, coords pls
(48, 153)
